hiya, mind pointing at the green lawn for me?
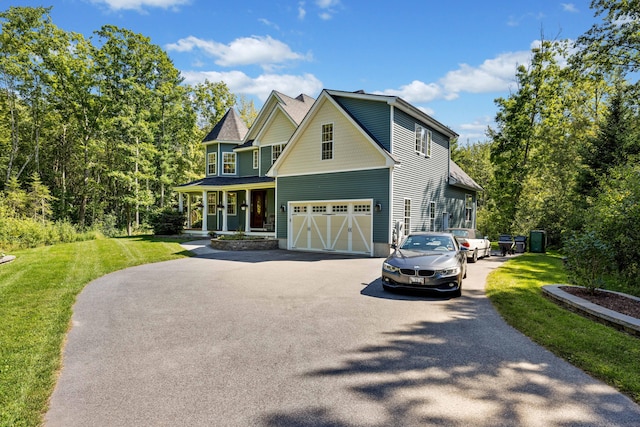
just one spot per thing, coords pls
(37, 292)
(603, 352)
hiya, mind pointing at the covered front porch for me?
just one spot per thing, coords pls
(228, 207)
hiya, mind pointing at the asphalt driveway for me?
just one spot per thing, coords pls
(290, 339)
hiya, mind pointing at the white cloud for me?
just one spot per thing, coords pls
(261, 86)
(302, 12)
(269, 23)
(141, 4)
(327, 8)
(416, 92)
(265, 51)
(569, 7)
(493, 75)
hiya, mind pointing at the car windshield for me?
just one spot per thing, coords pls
(460, 233)
(428, 243)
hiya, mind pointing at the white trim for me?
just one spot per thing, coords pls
(235, 163)
(255, 158)
(215, 163)
(322, 142)
(334, 171)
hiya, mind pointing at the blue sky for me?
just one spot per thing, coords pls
(449, 59)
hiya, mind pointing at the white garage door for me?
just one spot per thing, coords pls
(344, 226)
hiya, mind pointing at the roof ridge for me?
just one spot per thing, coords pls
(231, 127)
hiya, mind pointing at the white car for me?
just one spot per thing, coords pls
(478, 245)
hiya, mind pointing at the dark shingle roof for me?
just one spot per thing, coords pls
(459, 178)
(297, 107)
(229, 128)
(222, 181)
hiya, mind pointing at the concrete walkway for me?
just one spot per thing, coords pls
(281, 338)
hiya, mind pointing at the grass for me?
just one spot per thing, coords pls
(603, 352)
(37, 292)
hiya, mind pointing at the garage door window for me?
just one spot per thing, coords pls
(318, 209)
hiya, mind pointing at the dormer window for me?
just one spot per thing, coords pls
(212, 164)
(327, 141)
(228, 163)
(423, 141)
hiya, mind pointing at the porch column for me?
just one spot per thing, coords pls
(205, 210)
(180, 203)
(247, 212)
(188, 210)
(224, 210)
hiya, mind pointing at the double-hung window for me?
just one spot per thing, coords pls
(212, 164)
(327, 141)
(256, 158)
(423, 141)
(432, 216)
(468, 208)
(228, 163)
(407, 216)
(276, 150)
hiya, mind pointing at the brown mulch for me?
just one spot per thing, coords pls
(615, 302)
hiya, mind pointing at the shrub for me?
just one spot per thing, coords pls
(167, 221)
(588, 260)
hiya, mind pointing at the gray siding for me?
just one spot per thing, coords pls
(373, 115)
(371, 184)
(245, 164)
(419, 178)
(456, 206)
(265, 160)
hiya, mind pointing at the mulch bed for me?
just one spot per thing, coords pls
(615, 302)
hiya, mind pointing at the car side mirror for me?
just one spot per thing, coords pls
(394, 246)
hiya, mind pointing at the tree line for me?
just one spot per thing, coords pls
(105, 124)
(563, 155)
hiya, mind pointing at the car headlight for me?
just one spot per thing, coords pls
(390, 268)
(454, 271)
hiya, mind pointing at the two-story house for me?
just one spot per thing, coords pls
(338, 174)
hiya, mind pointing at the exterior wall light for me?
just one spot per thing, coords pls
(378, 207)
(283, 208)
(244, 206)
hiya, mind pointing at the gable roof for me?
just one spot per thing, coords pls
(326, 96)
(295, 109)
(459, 178)
(400, 103)
(229, 128)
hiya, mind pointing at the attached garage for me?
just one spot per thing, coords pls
(341, 226)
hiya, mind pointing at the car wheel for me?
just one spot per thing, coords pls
(474, 257)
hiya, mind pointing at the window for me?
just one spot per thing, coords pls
(432, 216)
(407, 216)
(327, 141)
(340, 209)
(276, 150)
(232, 198)
(468, 207)
(229, 163)
(256, 158)
(212, 163)
(212, 202)
(423, 141)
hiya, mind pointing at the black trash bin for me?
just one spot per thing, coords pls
(521, 244)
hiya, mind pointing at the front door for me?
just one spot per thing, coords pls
(258, 201)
